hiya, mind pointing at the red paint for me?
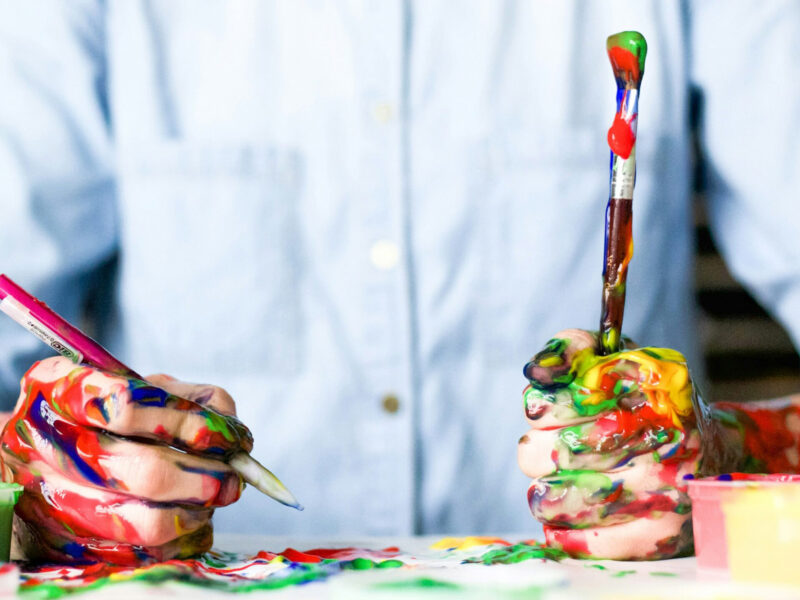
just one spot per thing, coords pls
(621, 137)
(571, 541)
(766, 434)
(646, 506)
(300, 557)
(624, 63)
(614, 496)
(349, 553)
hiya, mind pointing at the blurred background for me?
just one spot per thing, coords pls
(748, 355)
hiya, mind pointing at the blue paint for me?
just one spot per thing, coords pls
(148, 395)
(218, 475)
(74, 549)
(100, 405)
(64, 437)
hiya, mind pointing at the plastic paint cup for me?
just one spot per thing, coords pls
(9, 494)
(746, 525)
(763, 529)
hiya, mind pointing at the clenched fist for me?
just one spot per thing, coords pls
(116, 469)
(611, 439)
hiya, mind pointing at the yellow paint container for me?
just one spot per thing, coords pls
(762, 526)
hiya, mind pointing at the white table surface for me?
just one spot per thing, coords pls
(675, 579)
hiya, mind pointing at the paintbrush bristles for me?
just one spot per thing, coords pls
(261, 478)
(627, 51)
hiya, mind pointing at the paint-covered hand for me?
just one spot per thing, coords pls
(611, 439)
(118, 470)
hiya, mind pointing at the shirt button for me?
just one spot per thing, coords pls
(390, 404)
(384, 254)
(382, 112)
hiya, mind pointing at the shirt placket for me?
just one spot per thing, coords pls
(384, 426)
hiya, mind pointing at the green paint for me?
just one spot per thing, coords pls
(633, 42)
(22, 431)
(390, 564)
(517, 553)
(623, 573)
(598, 485)
(552, 354)
(9, 495)
(596, 566)
(610, 338)
(359, 564)
(571, 436)
(218, 424)
(662, 574)
(418, 583)
(364, 564)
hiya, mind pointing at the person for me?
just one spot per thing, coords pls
(361, 221)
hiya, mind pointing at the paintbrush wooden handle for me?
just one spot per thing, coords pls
(627, 52)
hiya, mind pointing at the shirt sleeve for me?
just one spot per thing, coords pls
(743, 61)
(57, 223)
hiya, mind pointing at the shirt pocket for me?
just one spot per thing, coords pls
(543, 198)
(211, 257)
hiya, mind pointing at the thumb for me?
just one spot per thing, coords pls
(550, 367)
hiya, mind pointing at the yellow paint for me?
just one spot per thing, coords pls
(762, 524)
(665, 380)
(179, 531)
(551, 361)
(465, 543)
(120, 526)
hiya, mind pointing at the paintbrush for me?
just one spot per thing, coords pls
(627, 52)
(69, 341)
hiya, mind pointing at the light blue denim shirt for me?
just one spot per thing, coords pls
(318, 205)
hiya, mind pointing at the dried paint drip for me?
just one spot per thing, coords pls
(611, 440)
(627, 52)
(230, 572)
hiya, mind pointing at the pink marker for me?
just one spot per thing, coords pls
(66, 339)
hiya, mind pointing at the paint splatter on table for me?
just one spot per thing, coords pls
(374, 568)
(265, 570)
